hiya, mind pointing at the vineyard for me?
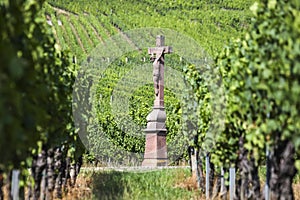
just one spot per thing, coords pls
(83, 25)
(74, 91)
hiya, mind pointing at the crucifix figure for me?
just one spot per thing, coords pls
(156, 147)
(157, 57)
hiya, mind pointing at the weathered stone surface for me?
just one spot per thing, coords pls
(156, 146)
(156, 150)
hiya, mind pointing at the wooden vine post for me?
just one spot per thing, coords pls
(156, 147)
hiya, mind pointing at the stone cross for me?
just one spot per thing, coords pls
(157, 56)
(156, 147)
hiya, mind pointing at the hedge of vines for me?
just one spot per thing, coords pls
(260, 73)
(36, 126)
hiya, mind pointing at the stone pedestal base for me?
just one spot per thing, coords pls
(156, 146)
(156, 149)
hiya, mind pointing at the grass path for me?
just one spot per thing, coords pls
(147, 183)
(161, 183)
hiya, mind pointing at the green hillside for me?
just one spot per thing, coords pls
(81, 25)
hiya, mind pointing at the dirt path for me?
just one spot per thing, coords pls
(77, 36)
(127, 38)
(86, 33)
(132, 169)
(97, 33)
(62, 11)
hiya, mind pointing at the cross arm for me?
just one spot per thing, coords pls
(158, 50)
